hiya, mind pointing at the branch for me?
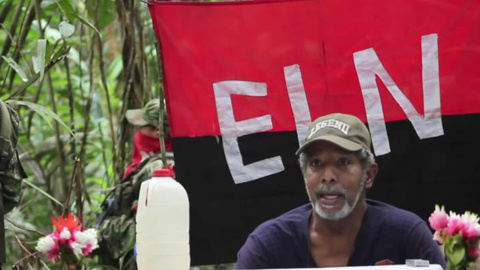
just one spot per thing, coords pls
(107, 95)
(71, 104)
(23, 228)
(21, 40)
(13, 27)
(60, 147)
(5, 11)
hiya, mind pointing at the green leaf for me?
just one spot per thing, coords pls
(458, 254)
(66, 29)
(42, 111)
(24, 86)
(67, 9)
(48, 51)
(115, 68)
(39, 60)
(47, 4)
(87, 23)
(74, 56)
(4, 2)
(107, 10)
(60, 52)
(16, 67)
(42, 192)
(455, 250)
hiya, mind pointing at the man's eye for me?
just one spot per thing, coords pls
(343, 161)
(316, 163)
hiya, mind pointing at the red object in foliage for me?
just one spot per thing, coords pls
(71, 223)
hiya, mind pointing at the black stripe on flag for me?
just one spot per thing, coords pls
(416, 175)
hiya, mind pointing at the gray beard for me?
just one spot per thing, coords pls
(346, 209)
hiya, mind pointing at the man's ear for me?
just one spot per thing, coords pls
(371, 174)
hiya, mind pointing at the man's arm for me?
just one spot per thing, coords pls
(253, 255)
(420, 245)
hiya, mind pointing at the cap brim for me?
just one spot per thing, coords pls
(340, 142)
(135, 117)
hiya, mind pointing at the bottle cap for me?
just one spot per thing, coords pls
(163, 173)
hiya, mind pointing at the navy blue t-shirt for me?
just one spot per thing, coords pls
(387, 233)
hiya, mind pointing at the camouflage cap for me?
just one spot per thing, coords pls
(148, 115)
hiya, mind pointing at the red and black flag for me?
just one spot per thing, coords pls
(244, 79)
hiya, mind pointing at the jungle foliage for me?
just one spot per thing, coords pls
(71, 69)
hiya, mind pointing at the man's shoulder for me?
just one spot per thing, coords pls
(392, 214)
(145, 169)
(279, 242)
(291, 221)
(295, 215)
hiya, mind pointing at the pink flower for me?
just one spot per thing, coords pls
(455, 224)
(86, 251)
(68, 237)
(464, 230)
(439, 236)
(473, 252)
(85, 242)
(471, 231)
(49, 245)
(470, 217)
(438, 219)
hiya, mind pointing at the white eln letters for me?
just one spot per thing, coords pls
(231, 130)
(298, 101)
(368, 66)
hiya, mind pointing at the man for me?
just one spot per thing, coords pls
(145, 142)
(11, 169)
(340, 227)
(116, 223)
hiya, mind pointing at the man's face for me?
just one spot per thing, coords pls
(335, 180)
(149, 130)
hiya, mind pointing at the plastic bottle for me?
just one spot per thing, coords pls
(162, 229)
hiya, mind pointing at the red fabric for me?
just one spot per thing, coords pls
(384, 262)
(204, 43)
(145, 146)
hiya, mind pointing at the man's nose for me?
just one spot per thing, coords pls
(329, 175)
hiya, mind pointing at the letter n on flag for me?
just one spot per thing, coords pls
(244, 79)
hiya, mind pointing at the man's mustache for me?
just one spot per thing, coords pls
(330, 188)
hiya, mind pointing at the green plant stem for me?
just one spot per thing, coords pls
(107, 94)
(21, 40)
(88, 107)
(60, 147)
(5, 11)
(13, 27)
(71, 105)
(162, 108)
